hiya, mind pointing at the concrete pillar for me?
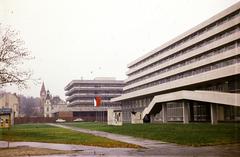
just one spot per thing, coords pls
(164, 113)
(186, 112)
(151, 118)
(110, 116)
(220, 109)
(214, 117)
(12, 116)
(235, 113)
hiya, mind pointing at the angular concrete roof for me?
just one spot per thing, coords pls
(232, 99)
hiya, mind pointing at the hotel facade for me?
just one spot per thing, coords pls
(81, 94)
(193, 77)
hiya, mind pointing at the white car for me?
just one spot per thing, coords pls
(60, 120)
(78, 120)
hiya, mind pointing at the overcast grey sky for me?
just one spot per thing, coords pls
(71, 39)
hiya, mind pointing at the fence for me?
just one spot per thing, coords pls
(24, 120)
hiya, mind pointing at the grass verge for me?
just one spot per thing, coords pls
(51, 134)
(28, 151)
(197, 134)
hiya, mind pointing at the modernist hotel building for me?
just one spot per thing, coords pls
(193, 77)
(81, 94)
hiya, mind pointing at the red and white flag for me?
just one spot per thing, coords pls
(97, 101)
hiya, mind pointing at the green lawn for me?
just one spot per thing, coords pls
(197, 134)
(51, 134)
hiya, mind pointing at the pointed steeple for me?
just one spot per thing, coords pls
(48, 95)
(43, 91)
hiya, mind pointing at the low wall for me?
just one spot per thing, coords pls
(87, 118)
(24, 120)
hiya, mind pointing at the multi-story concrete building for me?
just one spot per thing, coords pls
(193, 77)
(81, 94)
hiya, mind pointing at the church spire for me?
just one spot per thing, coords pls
(43, 91)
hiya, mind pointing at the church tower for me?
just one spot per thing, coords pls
(43, 93)
(48, 105)
(45, 101)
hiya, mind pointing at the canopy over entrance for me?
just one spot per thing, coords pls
(232, 99)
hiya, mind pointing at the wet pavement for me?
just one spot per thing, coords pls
(151, 147)
(80, 150)
(166, 150)
(123, 138)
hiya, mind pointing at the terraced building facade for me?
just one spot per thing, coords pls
(81, 94)
(193, 77)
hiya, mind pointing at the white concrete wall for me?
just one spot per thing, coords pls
(114, 117)
(198, 78)
(209, 60)
(136, 118)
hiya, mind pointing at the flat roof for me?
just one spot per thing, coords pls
(93, 82)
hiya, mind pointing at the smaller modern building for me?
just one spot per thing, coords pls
(81, 94)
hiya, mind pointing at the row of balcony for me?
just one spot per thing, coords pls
(94, 89)
(92, 96)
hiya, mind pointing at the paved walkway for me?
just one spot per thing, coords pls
(123, 138)
(158, 148)
(81, 150)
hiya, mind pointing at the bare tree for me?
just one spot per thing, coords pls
(30, 106)
(13, 53)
